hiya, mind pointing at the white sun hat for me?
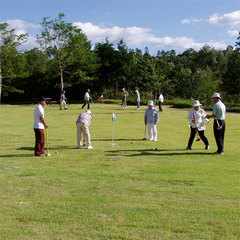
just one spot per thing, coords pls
(216, 95)
(150, 103)
(196, 103)
(89, 112)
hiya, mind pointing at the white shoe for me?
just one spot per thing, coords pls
(155, 140)
(151, 139)
(79, 147)
(89, 147)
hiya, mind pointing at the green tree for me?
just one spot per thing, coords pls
(238, 42)
(11, 61)
(64, 44)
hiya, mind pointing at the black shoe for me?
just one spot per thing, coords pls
(188, 148)
(207, 147)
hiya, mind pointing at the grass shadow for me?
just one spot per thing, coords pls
(152, 152)
(16, 155)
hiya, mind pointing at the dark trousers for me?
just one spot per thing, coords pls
(86, 102)
(138, 104)
(192, 136)
(219, 134)
(160, 106)
(40, 141)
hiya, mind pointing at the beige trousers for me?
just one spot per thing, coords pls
(63, 102)
(83, 131)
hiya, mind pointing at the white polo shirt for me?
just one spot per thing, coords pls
(39, 111)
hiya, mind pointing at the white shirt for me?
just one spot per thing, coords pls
(199, 116)
(39, 111)
(86, 96)
(161, 98)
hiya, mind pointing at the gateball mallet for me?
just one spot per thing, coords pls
(144, 133)
(48, 153)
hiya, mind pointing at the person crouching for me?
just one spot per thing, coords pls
(151, 119)
(83, 122)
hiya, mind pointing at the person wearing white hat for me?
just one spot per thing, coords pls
(196, 115)
(151, 118)
(218, 113)
(124, 98)
(83, 122)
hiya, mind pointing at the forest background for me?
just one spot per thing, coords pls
(66, 59)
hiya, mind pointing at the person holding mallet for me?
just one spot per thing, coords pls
(63, 100)
(87, 99)
(196, 115)
(83, 122)
(151, 118)
(218, 113)
(38, 126)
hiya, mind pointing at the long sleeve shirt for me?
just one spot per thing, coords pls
(84, 118)
(86, 96)
(151, 116)
(199, 116)
(161, 98)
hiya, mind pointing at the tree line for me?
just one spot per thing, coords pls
(66, 59)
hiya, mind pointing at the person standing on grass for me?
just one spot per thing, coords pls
(151, 119)
(87, 99)
(63, 100)
(38, 126)
(83, 122)
(124, 98)
(218, 113)
(137, 99)
(195, 117)
(160, 102)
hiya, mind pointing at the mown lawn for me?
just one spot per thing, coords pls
(130, 191)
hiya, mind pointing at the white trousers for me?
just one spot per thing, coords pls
(152, 131)
(83, 131)
(63, 102)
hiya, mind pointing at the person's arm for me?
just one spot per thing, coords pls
(43, 121)
(157, 117)
(145, 118)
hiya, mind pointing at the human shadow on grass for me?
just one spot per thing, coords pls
(58, 147)
(116, 139)
(159, 152)
(16, 155)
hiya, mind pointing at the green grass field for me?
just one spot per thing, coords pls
(130, 191)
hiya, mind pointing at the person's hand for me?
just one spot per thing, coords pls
(46, 125)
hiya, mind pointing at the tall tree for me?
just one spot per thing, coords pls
(61, 41)
(238, 42)
(9, 56)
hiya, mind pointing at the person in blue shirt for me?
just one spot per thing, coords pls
(218, 113)
(151, 119)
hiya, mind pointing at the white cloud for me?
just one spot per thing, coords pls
(233, 32)
(138, 37)
(22, 27)
(191, 20)
(230, 19)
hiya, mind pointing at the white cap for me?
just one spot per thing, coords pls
(89, 112)
(150, 103)
(196, 103)
(216, 95)
(123, 89)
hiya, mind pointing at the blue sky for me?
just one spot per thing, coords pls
(156, 24)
